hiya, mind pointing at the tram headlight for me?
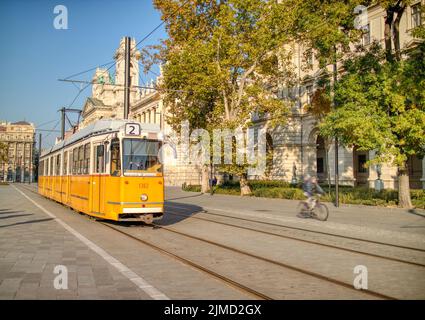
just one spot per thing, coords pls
(144, 197)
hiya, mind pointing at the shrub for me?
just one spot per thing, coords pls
(192, 188)
(348, 195)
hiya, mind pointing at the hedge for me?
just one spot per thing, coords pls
(347, 195)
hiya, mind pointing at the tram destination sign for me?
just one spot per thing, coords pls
(132, 129)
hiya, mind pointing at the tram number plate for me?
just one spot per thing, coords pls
(132, 129)
(144, 185)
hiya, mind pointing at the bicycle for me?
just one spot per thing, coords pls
(319, 210)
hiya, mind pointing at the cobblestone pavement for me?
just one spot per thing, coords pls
(392, 225)
(37, 234)
(33, 243)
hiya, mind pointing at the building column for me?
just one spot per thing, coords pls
(16, 160)
(23, 162)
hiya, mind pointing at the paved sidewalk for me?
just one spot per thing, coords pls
(393, 225)
(32, 244)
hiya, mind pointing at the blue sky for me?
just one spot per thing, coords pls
(33, 54)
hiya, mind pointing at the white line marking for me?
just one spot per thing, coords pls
(124, 270)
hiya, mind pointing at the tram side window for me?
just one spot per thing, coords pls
(65, 163)
(41, 168)
(99, 165)
(80, 159)
(51, 166)
(75, 161)
(86, 163)
(58, 165)
(115, 158)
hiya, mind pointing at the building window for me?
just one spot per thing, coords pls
(416, 15)
(366, 35)
(320, 165)
(309, 90)
(309, 58)
(361, 160)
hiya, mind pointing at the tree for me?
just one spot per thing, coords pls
(326, 28)
(381, 106)
(394, 10)
(221, 63)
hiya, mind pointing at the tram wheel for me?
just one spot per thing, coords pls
(148, 218)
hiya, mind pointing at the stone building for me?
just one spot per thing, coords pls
(298, 146)
(150, 109)
(20, 140)
(107, 102)
(107, 99)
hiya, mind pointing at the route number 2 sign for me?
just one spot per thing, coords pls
(132, 129)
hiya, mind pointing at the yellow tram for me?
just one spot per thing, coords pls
(110, 169)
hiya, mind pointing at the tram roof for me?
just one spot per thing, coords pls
(99, 127)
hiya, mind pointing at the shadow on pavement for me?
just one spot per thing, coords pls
(192, 196)
(168, 218)
(16, 216)
(25, 222)
(416, 213)
(184, 209)
(7, 212)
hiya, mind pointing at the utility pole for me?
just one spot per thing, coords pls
(62, 110)
(63, 115)
(127, 78)
(335, 79)
(39, 155)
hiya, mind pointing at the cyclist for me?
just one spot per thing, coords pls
(311, 188)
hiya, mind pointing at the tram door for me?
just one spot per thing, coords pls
(97, 189)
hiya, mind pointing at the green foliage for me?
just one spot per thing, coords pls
(348, 195)
(326, 26)
(381, 106)
(224, 61)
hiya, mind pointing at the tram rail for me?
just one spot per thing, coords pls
(301, 240)
(226, 279)
(300, 229)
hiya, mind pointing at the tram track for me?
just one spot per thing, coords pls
(280, 264)
(226, 279)
(242, 288)
(301, 240)
(301, 229)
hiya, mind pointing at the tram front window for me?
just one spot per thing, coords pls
(140, 157)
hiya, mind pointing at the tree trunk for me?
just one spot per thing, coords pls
(397, 32)
(328, 167)
(245, 188)
(387, 34)
(404, 200)
(205, 185)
